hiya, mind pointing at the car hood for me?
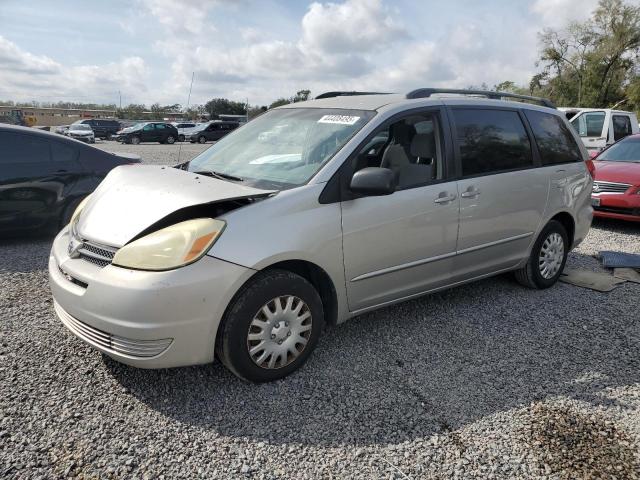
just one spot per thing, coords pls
(132, 198)
(619, 172)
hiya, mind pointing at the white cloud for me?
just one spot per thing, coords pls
(353, 26)
(558, 13)
(181, 17)
(273, 52)
(28, 77)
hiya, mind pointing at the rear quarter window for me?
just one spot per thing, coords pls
(555, 141)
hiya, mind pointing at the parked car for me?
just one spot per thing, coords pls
(61, 129)
(183, 128)
(81, 132)
(103, 128)
(149, 132)
(211, 131)
(616, 189)
(601, 127)
(43, 177)
(246, 251)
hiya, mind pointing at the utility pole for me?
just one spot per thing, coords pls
(120, 96)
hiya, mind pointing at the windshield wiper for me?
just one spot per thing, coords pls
(220, 175)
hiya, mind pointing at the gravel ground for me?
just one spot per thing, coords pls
(488, 380)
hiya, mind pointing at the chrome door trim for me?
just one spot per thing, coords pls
(416, 263)
(403, 266)
(492, 244)
(353, 313)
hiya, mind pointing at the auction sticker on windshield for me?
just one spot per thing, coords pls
(339, 119)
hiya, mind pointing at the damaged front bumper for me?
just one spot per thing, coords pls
(144, 319)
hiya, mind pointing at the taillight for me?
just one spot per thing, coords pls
(591, 167)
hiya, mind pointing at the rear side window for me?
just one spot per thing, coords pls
(621, 126)
(18, 148)
(491, 141)
(555, 142)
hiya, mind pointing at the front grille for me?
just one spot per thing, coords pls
(112, 343)
(610, 187)
(100, 255)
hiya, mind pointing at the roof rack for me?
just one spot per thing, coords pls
(427, 92)
(346, 94)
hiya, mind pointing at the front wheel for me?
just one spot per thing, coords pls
(135, 140)
(171, 139)
(547, 259)
(271, 327)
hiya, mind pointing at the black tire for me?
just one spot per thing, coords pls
(232, 346)
(171, 140)
(202, 139)
(530, 275)
(135, 140)
(181, 138)
(108, 136)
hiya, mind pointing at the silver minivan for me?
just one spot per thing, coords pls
(313, 213)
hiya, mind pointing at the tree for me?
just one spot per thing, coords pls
(590, 64)
(219, 106)
(279, 102)
(300, 96)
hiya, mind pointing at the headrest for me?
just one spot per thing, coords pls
(403, 133)
(423, 146)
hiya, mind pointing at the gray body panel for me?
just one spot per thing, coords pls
(398, 245)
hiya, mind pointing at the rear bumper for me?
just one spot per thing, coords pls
(144, 319)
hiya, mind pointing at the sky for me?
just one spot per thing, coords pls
(145, 51)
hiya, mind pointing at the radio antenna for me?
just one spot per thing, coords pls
(188, 102)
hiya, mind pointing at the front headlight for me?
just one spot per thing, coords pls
(171, 247)
(78, 210)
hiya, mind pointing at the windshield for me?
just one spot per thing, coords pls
(283, 148)
(627, 150)
(80, 126)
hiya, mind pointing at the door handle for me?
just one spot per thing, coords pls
(471, 192)
(445, 199)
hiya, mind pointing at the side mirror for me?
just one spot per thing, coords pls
(373, 181)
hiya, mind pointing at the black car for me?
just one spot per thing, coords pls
(102, 128)
(44, 176)
(211, 131)
(149, 132)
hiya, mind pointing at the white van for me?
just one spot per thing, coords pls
(600, 127)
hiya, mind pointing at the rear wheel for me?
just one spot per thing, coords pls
(202, 139)
(181, 138)
(548, 257)
(171, 139)
(271, 327)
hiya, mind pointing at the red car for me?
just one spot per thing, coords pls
(616, 186)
